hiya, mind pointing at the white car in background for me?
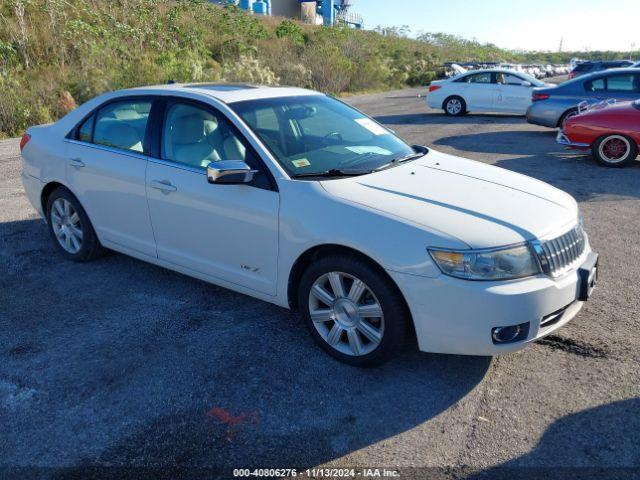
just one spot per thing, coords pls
(300, 200)
(494, 90)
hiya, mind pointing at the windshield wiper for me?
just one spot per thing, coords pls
(334, 172)
(405, 158)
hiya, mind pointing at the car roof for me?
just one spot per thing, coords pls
(492, 70)
(225, 92)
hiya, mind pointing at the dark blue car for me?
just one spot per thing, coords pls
(551, 105)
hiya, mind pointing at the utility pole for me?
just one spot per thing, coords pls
(561, 42)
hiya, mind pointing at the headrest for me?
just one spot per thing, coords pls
(188, 129)
(119, 134)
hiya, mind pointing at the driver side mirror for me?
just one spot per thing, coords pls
(230, 172)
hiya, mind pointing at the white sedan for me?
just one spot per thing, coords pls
(495, 90)
(296, 198)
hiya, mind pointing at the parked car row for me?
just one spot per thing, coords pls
(536, 71)
(584, 68)
(505, 91)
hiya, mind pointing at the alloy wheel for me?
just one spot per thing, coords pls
(614, 149)
(454, 106)
(346, 313)
(66, 225)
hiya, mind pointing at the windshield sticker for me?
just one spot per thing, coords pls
(364, 149)
(372, 126)
(302, 162)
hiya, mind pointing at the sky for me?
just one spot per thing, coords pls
(516, 24)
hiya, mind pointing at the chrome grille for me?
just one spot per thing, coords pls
(559, 254)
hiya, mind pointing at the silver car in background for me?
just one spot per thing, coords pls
(552, 105)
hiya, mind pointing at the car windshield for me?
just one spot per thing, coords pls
(534, 81)
(317, 134)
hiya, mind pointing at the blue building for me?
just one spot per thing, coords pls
(326, 12)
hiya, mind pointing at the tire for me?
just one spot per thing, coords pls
(70, 227)
(337, 326)
(614, 150)
(565, 115)
(454, 106)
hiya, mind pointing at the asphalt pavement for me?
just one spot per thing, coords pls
(118, 363)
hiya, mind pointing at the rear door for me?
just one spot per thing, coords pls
(225, 231)
(106, 170)
(477, 90)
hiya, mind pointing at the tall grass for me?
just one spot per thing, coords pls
(55, 54)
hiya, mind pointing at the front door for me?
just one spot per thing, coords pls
(225, 231)
(512, 94)
(106, 170)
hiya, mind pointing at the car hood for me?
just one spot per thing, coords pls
(481, 205)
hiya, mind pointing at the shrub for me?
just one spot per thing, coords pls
(290, 30)
(250, 70)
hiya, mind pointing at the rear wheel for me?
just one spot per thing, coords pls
(615, 150)
(353, 312)
(70, 228)
(455, 106)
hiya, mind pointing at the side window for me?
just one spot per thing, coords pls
(506, 79)
(622, 83)
(478, 78)
(597, 85)
(85, 130)
(122, 125)
(196, 137)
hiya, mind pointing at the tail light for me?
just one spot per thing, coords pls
(24, 140)
(536, 97)
(433, 88)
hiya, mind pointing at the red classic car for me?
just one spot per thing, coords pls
(611, 131)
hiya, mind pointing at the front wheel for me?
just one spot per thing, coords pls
(614, 150)
(352, 310)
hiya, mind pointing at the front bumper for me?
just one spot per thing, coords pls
(563, 140)
(457, 316)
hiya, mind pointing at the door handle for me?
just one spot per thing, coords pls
(164, 186)
(76, 162)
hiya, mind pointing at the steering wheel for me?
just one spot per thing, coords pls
(333, 136)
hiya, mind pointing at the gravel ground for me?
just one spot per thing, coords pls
(118, 363)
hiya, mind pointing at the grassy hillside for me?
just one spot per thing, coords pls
(55, 54)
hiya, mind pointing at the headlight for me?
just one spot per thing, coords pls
(491, 264)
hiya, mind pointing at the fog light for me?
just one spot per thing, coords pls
(511, 333)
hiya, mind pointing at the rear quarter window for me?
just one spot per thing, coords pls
(85, 131)
(597, 85)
